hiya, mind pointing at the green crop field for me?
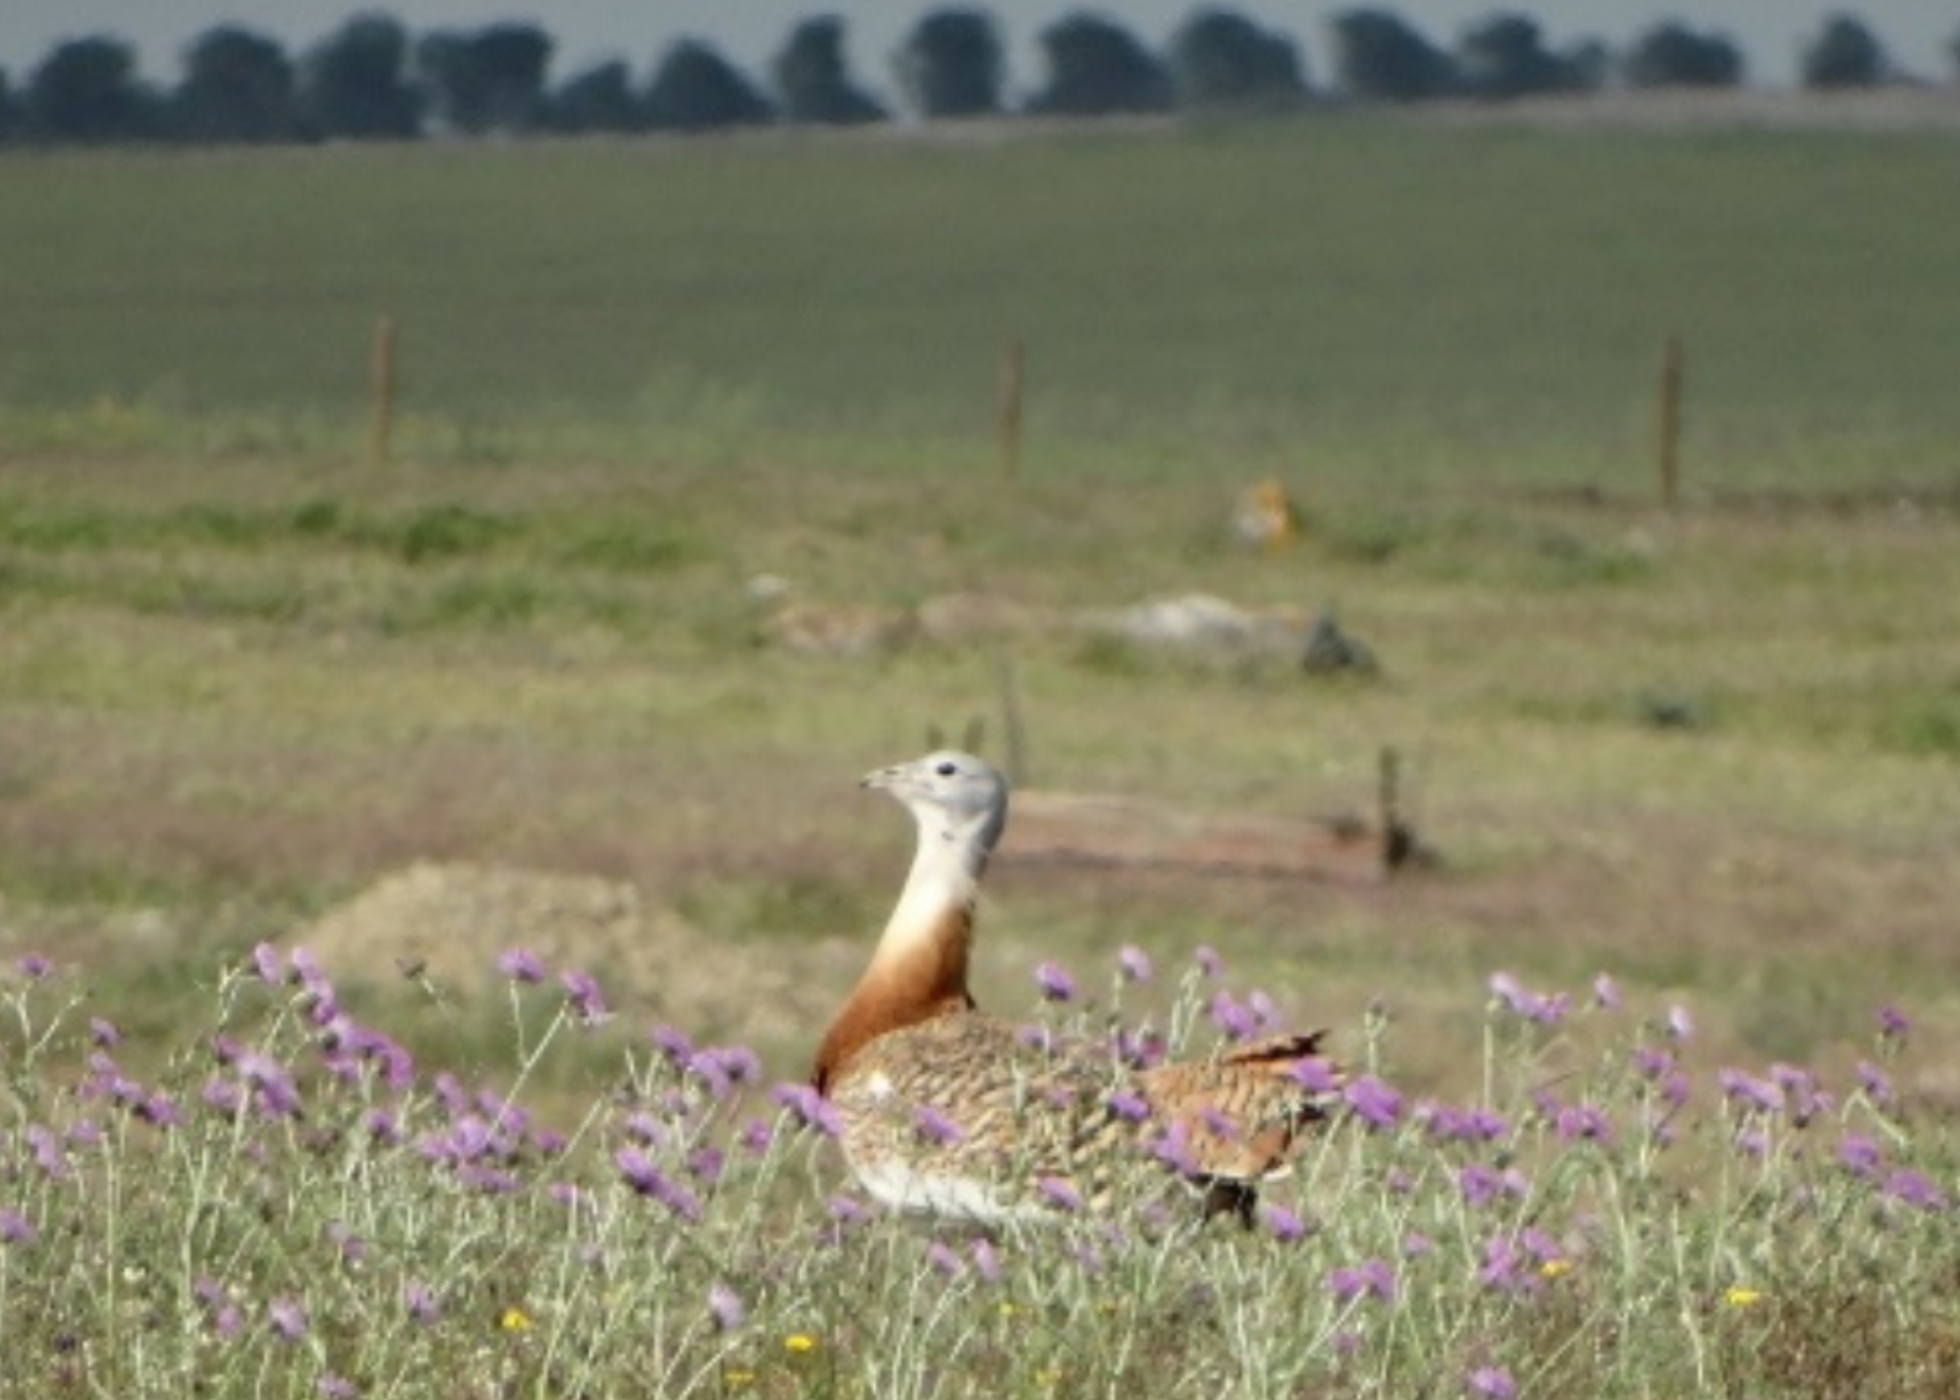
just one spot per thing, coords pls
(248, 674)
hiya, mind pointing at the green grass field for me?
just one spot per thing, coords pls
(244, 674)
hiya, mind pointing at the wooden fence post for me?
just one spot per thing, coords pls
(1009, 411)
(1668, 446)
(381, 391)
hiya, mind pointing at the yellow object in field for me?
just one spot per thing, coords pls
(1265, 517)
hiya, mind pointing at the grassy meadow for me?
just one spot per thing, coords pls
(246, 673)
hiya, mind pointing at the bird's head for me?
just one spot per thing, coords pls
(953, 796)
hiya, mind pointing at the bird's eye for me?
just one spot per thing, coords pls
(946, 769)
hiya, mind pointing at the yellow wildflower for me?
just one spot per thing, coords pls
(1740, 1297)
(1552, 1268)
(515, 1320)
(800, 1342)
(735, 1378)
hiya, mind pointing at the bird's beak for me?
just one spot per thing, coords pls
(883, 779)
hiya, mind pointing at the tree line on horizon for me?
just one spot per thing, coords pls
(372, 78)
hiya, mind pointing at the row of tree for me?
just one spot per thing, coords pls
(373, 79)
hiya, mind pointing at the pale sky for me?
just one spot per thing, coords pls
(1771, 32)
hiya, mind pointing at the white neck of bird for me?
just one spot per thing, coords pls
(944, 879)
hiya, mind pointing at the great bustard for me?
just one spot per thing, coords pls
(948, 1111)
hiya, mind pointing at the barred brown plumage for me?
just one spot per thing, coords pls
(948, 1111)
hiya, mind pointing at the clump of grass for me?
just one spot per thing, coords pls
(295, 1207)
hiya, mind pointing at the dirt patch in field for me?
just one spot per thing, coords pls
(450, 922)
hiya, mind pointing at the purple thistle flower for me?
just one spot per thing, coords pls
(1583, 1123)
(1875, 1082)
(16, 1228)
(270, 965)
(673, 1044)
(158, 1109)
(350, 1246)
(1680, 1025)
(420, 1302)
(1379, 1276)
(308, 969)
(1172, 1147)
(105, 1080)
(986, 1262)
(726, 1307)
(1415, 1245)
(486, 1180)
(1539, 1245)
(104, 1033)
(1218, 1123)
(1545, 1010)
(450, 1092)
(1037, 1038)
(756, 1137)
(737, 1063)
(1801, 1094)
(647, 1180)
(1134, 963)
(227, 1320)
(1282, 1224)
(1233, 1017)
(1058, 1193)
(1128, 1105)
(1606, 993)
(1892, 1022)
(48, 1153)
(1505, 1267)
(847, 1210)
(272, 1086)
(1208, 961)
(935, 1127)
(705, 1066)
(34, 966)
(638, 1170)
(383, 1127)
(1478, 1183)
(1860, 1155)
(287, 1318)
(1650, 1063)
(1316, 1075)
(941, 1260)
(704, 1164)
(1910, 1187)
(1491, 1383)
(583, 995)
(812, 1109)
(337, 1387)
(520, 965)
(1752, 1143)
(1460, 1125)
(1139, 1049)
(84, 1133)
(1054, 981)
(1377, 1105)
(1373, 1278)
(1753, 1095)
